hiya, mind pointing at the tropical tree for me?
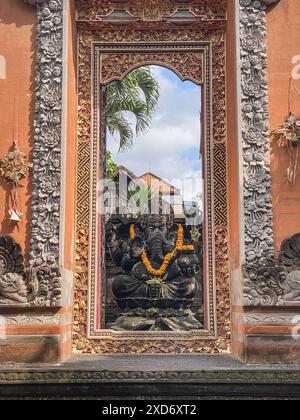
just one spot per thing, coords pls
(137, 94)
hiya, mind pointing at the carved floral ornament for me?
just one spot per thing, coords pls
(131, 11)
(272, 283)
(179, 11)
(186, 65)
(257, 3)
(143, 13)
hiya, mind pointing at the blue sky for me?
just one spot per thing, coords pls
(164, 72)
(171, 147)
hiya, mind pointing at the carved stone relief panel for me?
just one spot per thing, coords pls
(272, 283)
(152, 10)
(38, 285)
(255, 129)
(188, 66)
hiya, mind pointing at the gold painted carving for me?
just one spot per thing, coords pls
(217, 193)
(151, 10)
(187, 66)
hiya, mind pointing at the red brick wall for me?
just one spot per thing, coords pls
(283, 45)
(33, 335)
(17, 34)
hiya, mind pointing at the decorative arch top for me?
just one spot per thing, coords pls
(187, 65)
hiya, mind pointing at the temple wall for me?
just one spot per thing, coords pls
(17, 49)
(36, 335)
(283, 49)
(45, 335)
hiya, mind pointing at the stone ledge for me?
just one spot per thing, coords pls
(131, 377)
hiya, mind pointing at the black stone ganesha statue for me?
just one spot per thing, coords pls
(159, 283)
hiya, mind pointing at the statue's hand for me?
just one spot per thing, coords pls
(188, 265)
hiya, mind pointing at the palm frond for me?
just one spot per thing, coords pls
(148, 85)
(117, 123)
(138, 94)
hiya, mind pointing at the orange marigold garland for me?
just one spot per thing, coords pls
(163, 269)
(132, 232)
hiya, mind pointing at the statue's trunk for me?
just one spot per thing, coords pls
(157, 248)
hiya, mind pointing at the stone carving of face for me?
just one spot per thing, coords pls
(156, 230)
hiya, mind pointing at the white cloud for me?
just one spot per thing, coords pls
(171, 147)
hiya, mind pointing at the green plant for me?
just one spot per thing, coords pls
(111, 166)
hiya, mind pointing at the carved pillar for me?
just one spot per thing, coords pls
(46, 194)
(48, 132)
(255, 132)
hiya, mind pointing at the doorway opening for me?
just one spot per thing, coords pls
(118, 311)
(153, 203)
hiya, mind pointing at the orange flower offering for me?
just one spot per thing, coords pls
(163, 269)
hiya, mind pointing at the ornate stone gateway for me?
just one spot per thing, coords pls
(158, 315)
(113, 41)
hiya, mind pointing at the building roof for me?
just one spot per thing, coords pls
(151, 179)
(127, 172)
